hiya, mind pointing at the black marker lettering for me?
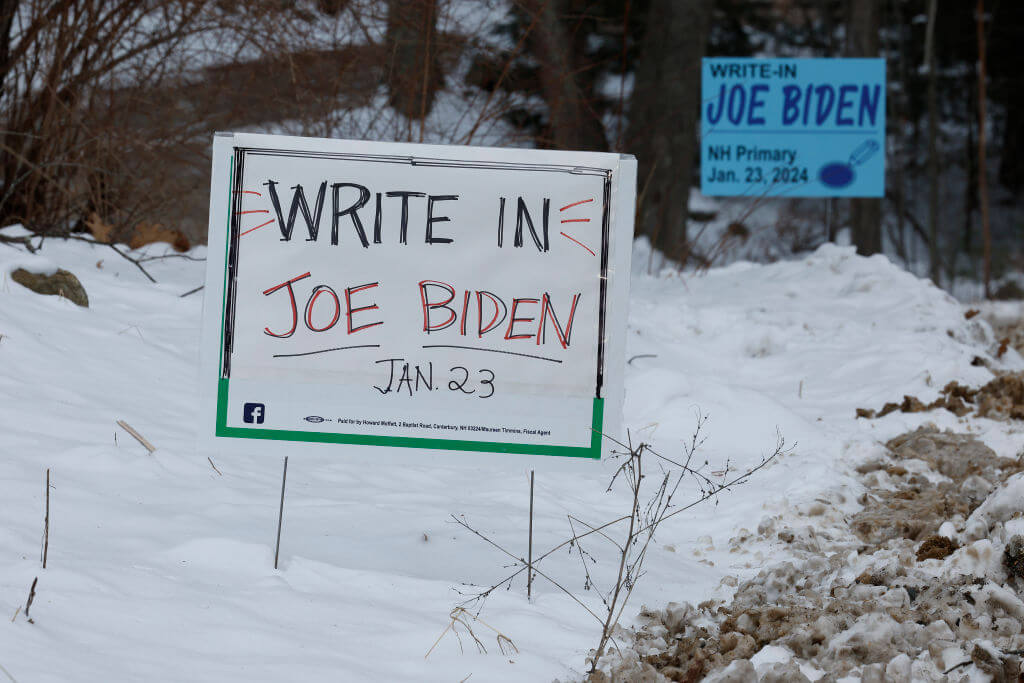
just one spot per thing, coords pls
(431, 219)
(364, 196)
(404, 194)
(298, 204)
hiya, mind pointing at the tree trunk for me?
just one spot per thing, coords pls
(7, 10)
(1004, 33)
(971, 171)
(900, 115)
(863, 25)
(413, 73)
(663, 118)
(1011, 165)
(866, 225)
(571, 122)
(986, 234)
(933, 155)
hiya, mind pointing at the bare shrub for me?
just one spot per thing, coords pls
(62, 139)
(107, 109)
(654, 483)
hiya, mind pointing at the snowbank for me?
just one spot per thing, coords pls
(160, 567)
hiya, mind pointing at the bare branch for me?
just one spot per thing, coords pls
(652, 502)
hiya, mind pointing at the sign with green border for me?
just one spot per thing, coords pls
(399, 296)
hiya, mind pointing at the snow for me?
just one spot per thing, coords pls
(1001, 506)
(769, 654)
(159, 568)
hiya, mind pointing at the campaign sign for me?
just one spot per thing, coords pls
(793, 127)
(416, 296)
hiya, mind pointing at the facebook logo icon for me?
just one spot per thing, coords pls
(253, 413)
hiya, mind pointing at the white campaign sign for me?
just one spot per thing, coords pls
(416, 296)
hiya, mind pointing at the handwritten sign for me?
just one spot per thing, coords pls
(414, 296)
(793, 127)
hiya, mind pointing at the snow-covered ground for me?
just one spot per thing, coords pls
(161, 569)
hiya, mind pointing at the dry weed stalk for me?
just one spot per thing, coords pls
(214, 466)
(460, 616)
(138, 437)
(653, 482)
(31, 597)
(8, 674)
(46, 521)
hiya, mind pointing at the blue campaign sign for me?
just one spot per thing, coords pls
(793, 127)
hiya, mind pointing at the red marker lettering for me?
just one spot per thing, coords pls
(499, 308)
(349, 311)
(512, 319)
(317, 291)
(291, 297)
(547, 311)
(429, 327)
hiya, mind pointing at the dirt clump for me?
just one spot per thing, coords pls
(936, 548)
(140, 235)
(910, 513)
(1000, 399)
(905, 501)
(957, 456)
(62, 283)
(1003, 668)
(1013, 556)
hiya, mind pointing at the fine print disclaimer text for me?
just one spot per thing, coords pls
(449, 427)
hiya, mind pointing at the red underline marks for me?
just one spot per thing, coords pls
(575, 220)
(254, 211)
(579, 243)
(257, 227)
(249, 192)
(582, 201)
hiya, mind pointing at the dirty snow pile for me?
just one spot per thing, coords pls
(923, 581)
(160, 567)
